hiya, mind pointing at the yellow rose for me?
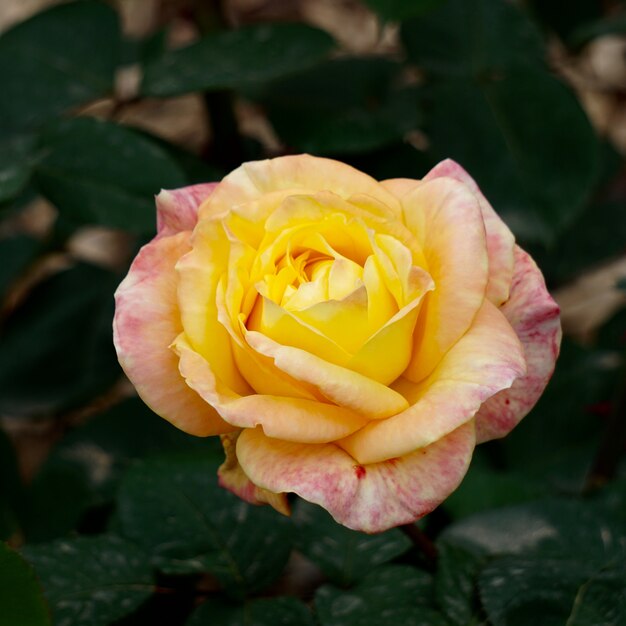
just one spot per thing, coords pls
(351, 340)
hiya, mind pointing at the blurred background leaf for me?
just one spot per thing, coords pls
(105, 103)
(21, 598)
(96, 172)
(57, 345)
(234, 59)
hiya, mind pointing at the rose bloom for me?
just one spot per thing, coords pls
(350, 340)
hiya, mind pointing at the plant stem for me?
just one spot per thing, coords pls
(226, 148)
(421, 542)
(613, 443)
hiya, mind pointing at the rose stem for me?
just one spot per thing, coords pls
(226, 146)
(613, 443)
(421, 542)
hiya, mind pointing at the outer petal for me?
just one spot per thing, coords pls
(534, 316)
(257, 178)
(500, 240)
(146, 321)
(177, 209)
(445, 217)
(487, 359)
(232, 477)
(369, 498)
(291, 419)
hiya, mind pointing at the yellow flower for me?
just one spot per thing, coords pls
(351, 340)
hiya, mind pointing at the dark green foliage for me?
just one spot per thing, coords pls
(20, 593)
(204, 528)
(57, 346)
(123, 522)
(235, 59)
(494, 108)
(343, 555)
(91, 580)
(59, 59)
(283, 611)
(313, 112)
(96, 172)
(397, 594)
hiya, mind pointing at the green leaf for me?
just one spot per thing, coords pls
(17, 155)
(344, 555)
(264, 612)
(393, 594)
(16, 253)
(473, 39)
(84, 470)
(552, 591)
(11, 496)
(600, 601)
(58, 59)
(402, 9)
(485, 488)
(203, 528)
(315, 113)
(91, 581)
(57, 346)
(550, 528)
(457, 571)
(21, 599)
(226, 60)
(525, 139)
(97, 172)
(195, 169)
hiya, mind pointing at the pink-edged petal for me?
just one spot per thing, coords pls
(445, 217)
(232, 477)
(146, 321)
(255, 179)
(177, 209)
(534, 316)
(291, 419)
(500, 240)
(370, 498)
(338, 384)
(199, 273)
(487, 359)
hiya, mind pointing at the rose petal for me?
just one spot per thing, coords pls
(146, 321)
(291, 419)
(534, 316)
(257, 178)
(387, 353)
(370, 498)
(487, 359)
(446, 218)
(283, 327)
(338, 384)
(232, 477)
(198, 274)
(177, 209)
(500, 240)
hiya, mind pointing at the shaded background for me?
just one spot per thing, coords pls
(103, 104)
